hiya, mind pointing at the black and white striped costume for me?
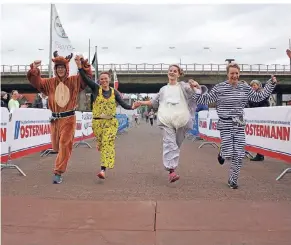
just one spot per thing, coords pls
(230, 103)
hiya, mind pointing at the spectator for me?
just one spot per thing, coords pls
(4, 99)
(257, 86)
(41, 101)
(13, 102)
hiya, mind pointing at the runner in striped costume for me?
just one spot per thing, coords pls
(231, 98)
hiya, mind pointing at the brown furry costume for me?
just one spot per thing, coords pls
(62, 96)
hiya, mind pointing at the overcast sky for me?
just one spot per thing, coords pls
(189, 28)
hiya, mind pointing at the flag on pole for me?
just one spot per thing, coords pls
(115, 80)
(95, 65)
(94, 60)
(60, 41)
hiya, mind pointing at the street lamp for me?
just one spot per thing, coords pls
(229, 60)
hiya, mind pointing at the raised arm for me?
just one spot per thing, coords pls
(34, 77)
(263, 94)
(204, 98)
(121, 102)
(85, 73)
(86, 80)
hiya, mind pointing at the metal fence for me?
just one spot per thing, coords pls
(162, 68)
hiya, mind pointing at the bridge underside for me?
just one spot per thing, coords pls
(127, 88)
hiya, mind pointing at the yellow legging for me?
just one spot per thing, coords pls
(105, 131)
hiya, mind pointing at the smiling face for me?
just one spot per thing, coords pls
(61, 70)
(15, 95)
(173, 72)
(104, 80)
(233, 73)
(255, 86)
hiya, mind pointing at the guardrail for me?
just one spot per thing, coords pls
(161, 68)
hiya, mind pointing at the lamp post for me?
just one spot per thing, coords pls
(229, 60)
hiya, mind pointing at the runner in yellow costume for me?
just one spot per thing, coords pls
(104, 123)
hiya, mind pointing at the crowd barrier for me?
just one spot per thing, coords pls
(195, 131)
(26, 131)
(268, 131)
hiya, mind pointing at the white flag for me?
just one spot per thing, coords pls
(60, 40)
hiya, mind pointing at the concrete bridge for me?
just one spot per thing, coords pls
(148, 78)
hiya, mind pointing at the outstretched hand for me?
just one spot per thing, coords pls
(36, 64)
(78, 60)
(274, 79)
(193, 84)
(136, 104)
(288, 52)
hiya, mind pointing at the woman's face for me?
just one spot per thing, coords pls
(5, 97)
(104, 80)
(255, 86)
(15, 95)
(233, 75)
(173, 73)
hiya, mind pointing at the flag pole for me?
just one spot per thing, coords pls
(96, 64)
(51, 42)
(89, 51)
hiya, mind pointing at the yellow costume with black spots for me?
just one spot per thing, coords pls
(104, 123)
(105, 130)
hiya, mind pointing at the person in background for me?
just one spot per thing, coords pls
(41, 101)
(257, 87)
(4, 99)
(13, 102)
(146, 114)
(135, 117)
(151, 117)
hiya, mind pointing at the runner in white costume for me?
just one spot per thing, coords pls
(176, 109)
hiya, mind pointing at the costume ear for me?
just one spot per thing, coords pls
(69, 57)
(56, 54)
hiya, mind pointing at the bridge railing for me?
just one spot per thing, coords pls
(161, 68)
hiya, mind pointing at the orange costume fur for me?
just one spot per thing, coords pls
(62, 97)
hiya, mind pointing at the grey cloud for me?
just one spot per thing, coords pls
(121, 28)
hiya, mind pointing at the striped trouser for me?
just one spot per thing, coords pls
(232, 147)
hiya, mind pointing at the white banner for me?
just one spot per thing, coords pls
(268, 129)
(79, 126)
(30, 128)
(4, 132)
(60, 40)
(87, 123)
(203, 122)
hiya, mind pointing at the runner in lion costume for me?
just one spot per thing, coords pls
(62, 91)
